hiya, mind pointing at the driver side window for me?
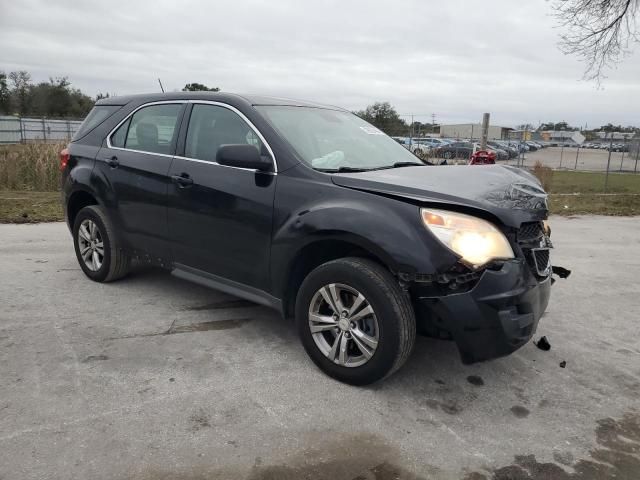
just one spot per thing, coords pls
(212, 126)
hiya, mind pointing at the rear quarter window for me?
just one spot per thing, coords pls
(96, 116)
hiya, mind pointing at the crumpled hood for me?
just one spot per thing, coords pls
(512, 194)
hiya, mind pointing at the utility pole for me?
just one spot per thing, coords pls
(606, 178)
(485, 131)
(561, 148)
(411, 131)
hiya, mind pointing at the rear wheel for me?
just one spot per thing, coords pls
(355, 321)
(99, 253)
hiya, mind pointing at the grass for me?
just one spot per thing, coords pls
(29, 186)
(593, 182)
(592, 204)
(576, 193)
(29, 183)
(34, 166)
(30, 207)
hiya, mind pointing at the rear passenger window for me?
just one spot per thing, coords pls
(211, 126)
(150, 129)
(120, 135)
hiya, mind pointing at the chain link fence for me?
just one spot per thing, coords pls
(454, 144)
(31, 130)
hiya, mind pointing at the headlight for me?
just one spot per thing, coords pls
(475, 240)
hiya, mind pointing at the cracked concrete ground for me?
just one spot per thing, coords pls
(155, 378)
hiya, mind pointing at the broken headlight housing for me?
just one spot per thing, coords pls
(474, 239)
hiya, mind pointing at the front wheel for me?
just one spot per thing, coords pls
(355, 321)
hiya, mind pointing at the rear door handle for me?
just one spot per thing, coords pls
(183, 180)
(113, 162)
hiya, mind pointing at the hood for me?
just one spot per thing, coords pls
(511, 194)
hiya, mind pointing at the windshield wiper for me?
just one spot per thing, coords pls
(401, 164)
(357, 169)
(344, 170)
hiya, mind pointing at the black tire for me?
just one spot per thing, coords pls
(392, 307)
(116, 262)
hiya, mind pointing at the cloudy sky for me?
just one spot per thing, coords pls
(454, 58)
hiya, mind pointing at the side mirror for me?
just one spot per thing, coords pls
(243, 156)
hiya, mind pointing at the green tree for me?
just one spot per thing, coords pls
(385, 117)
(556, 126)
(5, 95)
(199, 87)
(21, 82)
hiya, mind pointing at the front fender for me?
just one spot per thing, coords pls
(389, 229)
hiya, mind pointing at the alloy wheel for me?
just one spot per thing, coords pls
(343, 325)
(91, 245)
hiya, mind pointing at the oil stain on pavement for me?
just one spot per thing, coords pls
(334, 457)
(224, 304)
(616, 456)
(204, 326)
(192, 327)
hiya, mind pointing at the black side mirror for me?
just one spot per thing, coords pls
(243, 156)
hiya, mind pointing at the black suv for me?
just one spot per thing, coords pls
(312, 211)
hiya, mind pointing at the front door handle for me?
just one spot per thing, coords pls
(113, 162)
(183, 180)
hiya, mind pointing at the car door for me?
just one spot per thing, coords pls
(220, 217)
(134, 167)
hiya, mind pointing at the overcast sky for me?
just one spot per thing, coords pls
(454, 58)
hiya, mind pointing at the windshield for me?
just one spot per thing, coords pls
(333, 140)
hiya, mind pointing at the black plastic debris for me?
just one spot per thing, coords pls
(543, 344)
(561, 272)
(563, 364)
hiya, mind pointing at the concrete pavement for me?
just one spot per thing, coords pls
(154, 378)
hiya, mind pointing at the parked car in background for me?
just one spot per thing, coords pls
(499, 153)
(619, 147)
(313, 212)
(532, 146)
(431, 142)
(420, 150)
(483, 157)
(453, 150)
(510, 151)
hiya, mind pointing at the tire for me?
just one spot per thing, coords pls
(115, 262)
(392, 321)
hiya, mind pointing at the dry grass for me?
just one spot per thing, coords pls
(30, 207)
(33, 166)
(544, 174)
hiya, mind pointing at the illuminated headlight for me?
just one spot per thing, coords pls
(475, 240)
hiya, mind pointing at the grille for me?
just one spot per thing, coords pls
(541, 260)
(535, 246)
(530, 231)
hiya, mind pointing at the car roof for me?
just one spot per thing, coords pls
(212, 96)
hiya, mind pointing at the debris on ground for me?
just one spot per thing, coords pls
(560, 271)
(563, 364)
(543, 344)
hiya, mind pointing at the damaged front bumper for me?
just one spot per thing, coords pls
(495, 317)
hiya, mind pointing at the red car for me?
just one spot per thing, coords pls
(483, 157)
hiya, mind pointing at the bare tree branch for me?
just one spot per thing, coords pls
(597, 31)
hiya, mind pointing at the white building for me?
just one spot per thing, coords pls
(615, 135)
(473, 130)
